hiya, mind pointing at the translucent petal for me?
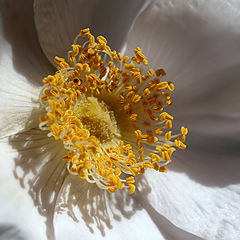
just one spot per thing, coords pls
(207, 211)
(198, 45)
(59, 22)
(18, 214)
(100, 215)
(10, 232)
(22, 67)
(35, 169)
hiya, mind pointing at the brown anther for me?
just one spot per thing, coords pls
(77, 81)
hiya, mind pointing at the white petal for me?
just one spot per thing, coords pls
(17, 208)
(32, 172)
(10, 232)
(22, 67)
(198, 45)
(40, 164)
(209, 211)
(100, 215)
(59, 22)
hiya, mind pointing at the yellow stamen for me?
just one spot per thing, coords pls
(99, 104)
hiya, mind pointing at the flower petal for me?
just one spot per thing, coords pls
(22, 67)
(99, 214)
(10, 232)
(209, 212)
(59, 22)
(35, 162)
(198, 45)
(17, 208)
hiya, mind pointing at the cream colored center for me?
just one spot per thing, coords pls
(97, 118)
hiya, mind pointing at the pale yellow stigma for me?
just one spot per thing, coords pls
(97, 118)
(108, 111)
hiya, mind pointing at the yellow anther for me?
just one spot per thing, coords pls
(127, 107)
(182, 138)
(151, 72)
(180, 144)
(146, 92)
(129, 66)
(112, 190)
(59, 60)
(165, 116)
(134, 117)
(161, 86)
(125, 59)
(184, 131)
(133, 171)
(85, 32)
(167, 136)
(118, 57)
(141, 150)
(165, 156)
(154, 157)
(91, 51)
(168, 124)
(102, 40)
(130, 180)
(110, 64)
(132, 189)
(152, 139)
(83, 174)
(136, 98)
(130, 94)
(158, 131)
(171, 86)
(147, 165)
(75, 50)
(118, 172)
(155, 166)
(163, 169)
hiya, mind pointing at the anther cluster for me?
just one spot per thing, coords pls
(109, 112)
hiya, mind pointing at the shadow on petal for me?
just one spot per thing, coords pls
(95, 207)
(40, 169)
(10, 232)
(19, 31)
(59, 22)
(200, 52)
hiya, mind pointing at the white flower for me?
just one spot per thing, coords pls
(198, 45)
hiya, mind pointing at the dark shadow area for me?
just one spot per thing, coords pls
(115, 28)
(19, 31)
(10, 232)
(212, 157)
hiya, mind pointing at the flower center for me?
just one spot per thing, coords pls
(108, 111)
(96, 118)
